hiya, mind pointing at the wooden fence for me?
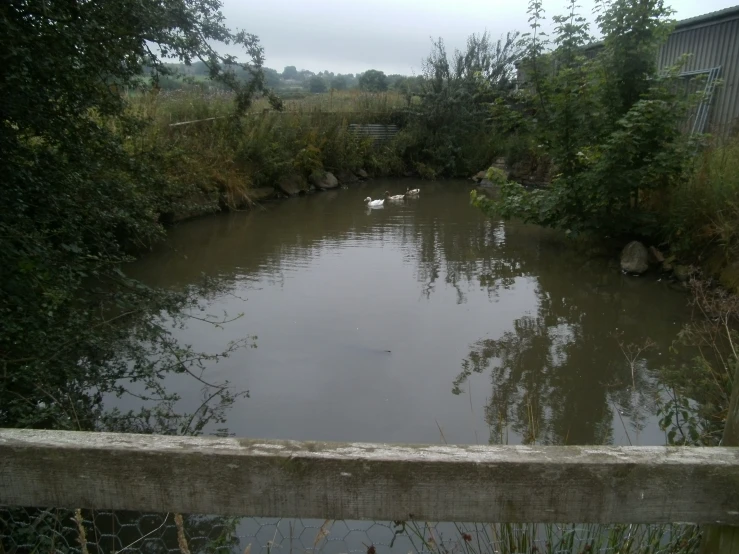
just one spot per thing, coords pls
(503, 484)
(375, 131)
(233, 476)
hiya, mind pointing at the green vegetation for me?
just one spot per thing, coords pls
(82, 190)
(551, 539)
(703, 214)
(316, 84)
(65, 531)
(373, 81)
(605, 129)
(92, 165)
(92, 173)
(606, 123)
(452, 134)
(338, 83)
(695, 403)
(220, 159)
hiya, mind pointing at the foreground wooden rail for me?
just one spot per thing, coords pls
(233, 476)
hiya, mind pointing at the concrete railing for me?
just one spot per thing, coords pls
(243, 477)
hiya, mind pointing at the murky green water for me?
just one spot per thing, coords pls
(495, 332)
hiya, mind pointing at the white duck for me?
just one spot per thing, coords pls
(412, 192)
(394, 198)
(374, 203)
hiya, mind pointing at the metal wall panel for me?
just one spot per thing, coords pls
(712, 43)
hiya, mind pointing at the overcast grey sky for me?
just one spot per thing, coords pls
(350, 36)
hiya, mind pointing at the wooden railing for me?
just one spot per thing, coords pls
(233, 476)
(504, 484)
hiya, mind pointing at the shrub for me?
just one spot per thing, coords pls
(607, 122)
(702, 219)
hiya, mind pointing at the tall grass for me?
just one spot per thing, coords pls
(507, 538)
(345, 101)
(201, 144)
(703, 219)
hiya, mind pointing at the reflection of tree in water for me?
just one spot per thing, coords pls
(559, 376)
(460, 253)
(442, 236)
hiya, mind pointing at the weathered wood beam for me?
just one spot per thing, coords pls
(369, 481)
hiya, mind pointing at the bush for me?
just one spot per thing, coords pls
(82, 190)
(608, 123)
(452, 133)
(228, 155)
(702, 219)
(373, 81)
(316, 84)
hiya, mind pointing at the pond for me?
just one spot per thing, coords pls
(420, 322)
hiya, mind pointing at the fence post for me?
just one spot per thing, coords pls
(724, 539)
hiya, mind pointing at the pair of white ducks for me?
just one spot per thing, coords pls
(409, 193)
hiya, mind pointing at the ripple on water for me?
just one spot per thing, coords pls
(509, 316)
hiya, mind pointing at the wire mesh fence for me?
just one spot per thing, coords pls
(55, 530)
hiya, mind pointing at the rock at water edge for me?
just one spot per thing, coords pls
(479, 176)
(324, 180)
(292, 185)
(346, 177)
(635, 258)
(655, 256)
(260, 193)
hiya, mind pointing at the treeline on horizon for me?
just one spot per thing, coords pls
(293, 80)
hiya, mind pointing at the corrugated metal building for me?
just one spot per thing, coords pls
(713, 42)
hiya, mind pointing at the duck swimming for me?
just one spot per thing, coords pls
(374, 203)
(412, 192)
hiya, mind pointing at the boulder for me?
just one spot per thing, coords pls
(655, 256)
(261, 193)
(292, 185)
(346, 177)
(635, 258)
(479, 176)
(668, 265)
(362, 174)
(323, 180)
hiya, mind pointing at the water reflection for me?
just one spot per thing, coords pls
(365, 317)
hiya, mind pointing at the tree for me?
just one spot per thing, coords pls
(81, 192)
(373, 81)
(317, 84)
(271, 77)
(290, 72)
(609, 123)
(305, 75)
(338, 83)
(408, 86)
(453, 134)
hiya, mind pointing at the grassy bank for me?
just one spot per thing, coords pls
(237, 160)
(702, 224)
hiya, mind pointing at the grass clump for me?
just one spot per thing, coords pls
(202, 146)
(703, 212)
